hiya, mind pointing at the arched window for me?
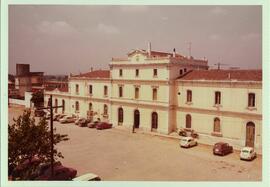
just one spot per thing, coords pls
(105, 110)
(56, 104)
(216, 125)
(63, 104)
(77, 106)
(120, 115)
(188, 121)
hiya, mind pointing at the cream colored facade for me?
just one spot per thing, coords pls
(233, 111)
(159, 104)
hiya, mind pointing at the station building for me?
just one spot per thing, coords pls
(164, 92)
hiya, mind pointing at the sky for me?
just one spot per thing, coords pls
(63, 39)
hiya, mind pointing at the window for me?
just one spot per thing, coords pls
(217, 98)
(105, 110)
(154, 72)
(181, 72)
(251, 100)
(137, 72)
(77, 88)
(216, 125)
(189, 96)
(105, 90)
(90, 90)
(90, 106)
(136, 93)
(77, 106)
(188, 121)
(185, 69)
(56, 104)
(154, 94)
(120, 72)
(120, 91)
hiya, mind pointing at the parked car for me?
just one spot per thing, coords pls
(67, 119)
(103, 125)
(55, 116)
(222, 148)
(60, 117)
(39, 113)
(60, 173)
(247, 153)
(82, 122)
(93, 124)
(88, 177)
(188, 142)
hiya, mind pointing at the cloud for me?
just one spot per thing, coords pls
(57, 28)
(219, 11)
(108, 29)
(164, 18)
(250, 36)
(134, 8)
(214, 37)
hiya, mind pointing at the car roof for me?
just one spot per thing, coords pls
(247, 148)
(187, 138)
(85, 177)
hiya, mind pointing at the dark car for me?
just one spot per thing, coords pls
(103, 125)
(222, 148)
(60, 173)
(93, 124)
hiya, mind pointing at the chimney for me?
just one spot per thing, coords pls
(173, 52)
(91, 69)
(149, 49)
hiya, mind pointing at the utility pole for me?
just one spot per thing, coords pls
(51, 131)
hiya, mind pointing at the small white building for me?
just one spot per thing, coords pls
(148, 90)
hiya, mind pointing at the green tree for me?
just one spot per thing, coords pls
(28, 140)
(38, 98)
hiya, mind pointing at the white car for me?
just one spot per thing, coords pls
(67, 119)
(247, 153)
(87, 177)
(188, 142)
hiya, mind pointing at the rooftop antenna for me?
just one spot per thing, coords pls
(220, 64)
(189, 48)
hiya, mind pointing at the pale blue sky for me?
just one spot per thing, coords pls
(71, 39)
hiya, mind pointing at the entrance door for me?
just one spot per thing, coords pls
(154, 121)
(136, 118)
(120, 116)
(250, 134)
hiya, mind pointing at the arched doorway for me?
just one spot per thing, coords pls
(188, 121)
(63, 106)
(136, 119)
(154, 121)
(120, 116)
(250, 134)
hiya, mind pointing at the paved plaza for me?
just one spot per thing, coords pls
(118, 155)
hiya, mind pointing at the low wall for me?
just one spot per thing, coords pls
(16, 101)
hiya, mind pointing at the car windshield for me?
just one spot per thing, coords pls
(245, 151)
(184, 140)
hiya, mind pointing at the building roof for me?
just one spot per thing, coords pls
(153, 53)
(95, 74)
(219, 75)
(61, 89)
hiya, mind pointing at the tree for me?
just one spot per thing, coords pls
(38, 98)
(28, 140)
